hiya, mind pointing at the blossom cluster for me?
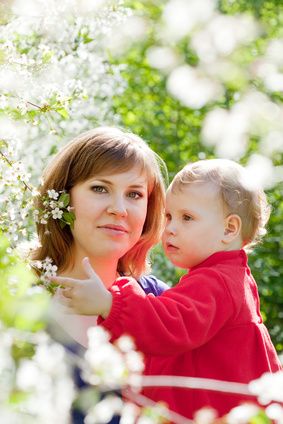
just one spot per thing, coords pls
(16, 193)
(117, 366)
(55, 206)
(47, 270)
(56, 80)
(42, 381)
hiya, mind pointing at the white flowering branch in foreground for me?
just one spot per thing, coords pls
(117, 366)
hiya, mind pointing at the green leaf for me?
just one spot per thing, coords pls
(260, 418)
(47, 56)
(87, 39)
(69, 218)
(63, 112)
(86, 398)
(65, 198)
(18, 397)
(62, 224)
(2, 57)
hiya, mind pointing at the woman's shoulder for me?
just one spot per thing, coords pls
(151, 284)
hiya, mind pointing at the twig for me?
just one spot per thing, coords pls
(166, 413)
(11, 164)
(33, 104)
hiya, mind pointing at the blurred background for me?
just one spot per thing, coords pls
(195, 78)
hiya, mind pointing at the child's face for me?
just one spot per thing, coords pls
(195, 224)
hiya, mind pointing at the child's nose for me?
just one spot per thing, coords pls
(170, 228)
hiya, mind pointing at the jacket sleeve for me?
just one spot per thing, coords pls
(181, 319)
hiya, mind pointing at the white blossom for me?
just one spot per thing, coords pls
(25, 247)
(134, 361)
(53, 194)
(163, 58)
(104, 410)
(7, 366)
(229, 131)
(129, 413)
(260, 172)
(27, 375)
(192, 87)
(57, 213)
(9, 416)
(105, 365)
(122, 37)
(275, 412)
(268, 388)
(53, 204)
(181, 16)
(205, 416)
(222, 35)
(242, 414)
(46, 378)
(97, 336)
(274, 51)
(50, 268)
(125, 343)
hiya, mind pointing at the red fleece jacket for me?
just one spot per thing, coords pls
(209, 326)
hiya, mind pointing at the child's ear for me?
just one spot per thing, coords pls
(232, 230)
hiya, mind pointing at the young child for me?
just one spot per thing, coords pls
(209, 325)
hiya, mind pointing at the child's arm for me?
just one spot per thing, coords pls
(181, 319)
(86, 297)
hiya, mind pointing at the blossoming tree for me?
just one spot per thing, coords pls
(70, 65)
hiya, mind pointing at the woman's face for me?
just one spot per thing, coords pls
(110, 213)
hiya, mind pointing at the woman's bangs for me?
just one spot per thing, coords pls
(111, 163)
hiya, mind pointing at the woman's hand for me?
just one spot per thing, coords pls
(86, 297)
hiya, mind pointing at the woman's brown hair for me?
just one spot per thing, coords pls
(102, 150)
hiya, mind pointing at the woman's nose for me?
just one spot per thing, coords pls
(118, 207)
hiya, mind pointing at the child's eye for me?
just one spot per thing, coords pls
(168, 217)
(98, 189)
(187, 218)
(135, 195)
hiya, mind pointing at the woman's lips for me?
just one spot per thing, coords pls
(114, 229)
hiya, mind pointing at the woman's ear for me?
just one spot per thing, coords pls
(232, 230)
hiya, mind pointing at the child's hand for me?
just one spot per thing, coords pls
(86, 297)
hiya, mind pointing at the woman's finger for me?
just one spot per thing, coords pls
(68, 292)
(88, 269)
(65, 281)
(67, 305)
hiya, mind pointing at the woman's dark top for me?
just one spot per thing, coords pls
(149, 284)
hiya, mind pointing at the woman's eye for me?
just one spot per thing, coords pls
(98, 189)
(135, 195)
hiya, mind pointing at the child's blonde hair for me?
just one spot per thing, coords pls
(100, 151)
(238, 196)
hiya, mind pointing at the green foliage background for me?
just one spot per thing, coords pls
(173, 131)
(140, 103)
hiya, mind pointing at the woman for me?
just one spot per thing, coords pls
(117, 196)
